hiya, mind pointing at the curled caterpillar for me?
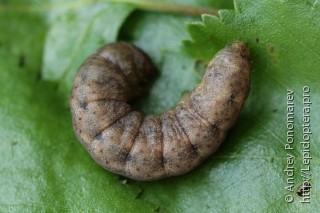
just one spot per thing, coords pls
(154, 147)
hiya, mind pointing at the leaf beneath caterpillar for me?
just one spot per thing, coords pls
(44, 168)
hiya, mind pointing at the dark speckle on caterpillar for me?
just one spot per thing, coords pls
(154, 147)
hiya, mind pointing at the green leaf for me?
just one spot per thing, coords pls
(44, 167)
(83, 30)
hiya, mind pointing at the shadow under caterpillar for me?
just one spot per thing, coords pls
(154, 147)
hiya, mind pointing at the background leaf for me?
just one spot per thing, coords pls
(45, 168)
(83, 29)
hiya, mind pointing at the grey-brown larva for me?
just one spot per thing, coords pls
(154, 147)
